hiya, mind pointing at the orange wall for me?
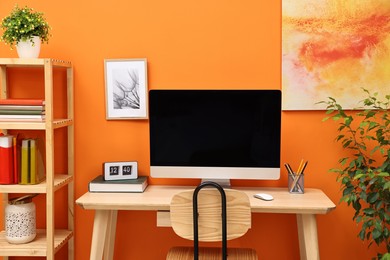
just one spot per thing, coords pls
(189, 44)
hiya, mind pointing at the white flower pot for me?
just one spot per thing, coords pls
(26, 49)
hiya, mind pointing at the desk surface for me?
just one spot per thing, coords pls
(158, 197)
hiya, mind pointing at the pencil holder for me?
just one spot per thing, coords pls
(296, 183)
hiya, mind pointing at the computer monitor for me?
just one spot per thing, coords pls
(215, 134)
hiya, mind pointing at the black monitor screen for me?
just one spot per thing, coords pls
(215, 128)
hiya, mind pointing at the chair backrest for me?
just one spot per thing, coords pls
(209, 210)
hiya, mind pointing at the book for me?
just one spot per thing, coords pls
(35, 117)
(6, 159)
(20, 112)
(24, 162)
(135, 185)
(16, 158)
(22, 107)
(32, 166)
(22, 120)
(22, 101)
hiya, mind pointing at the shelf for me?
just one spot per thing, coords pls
(33, 125)
(59, 181)
(49, 240)
(35, 248)
(17, 62)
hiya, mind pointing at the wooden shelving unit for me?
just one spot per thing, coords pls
(49, 240)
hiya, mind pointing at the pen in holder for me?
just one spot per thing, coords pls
(296, 183)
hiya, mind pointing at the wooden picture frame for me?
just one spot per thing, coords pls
(126, 89)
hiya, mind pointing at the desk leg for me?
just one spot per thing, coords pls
(110, 237)
(308, 239)
(100, 225)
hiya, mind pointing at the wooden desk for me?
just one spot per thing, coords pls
(157, 198)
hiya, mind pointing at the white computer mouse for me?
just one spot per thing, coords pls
(263, 196)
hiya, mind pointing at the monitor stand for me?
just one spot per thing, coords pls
(225, 183)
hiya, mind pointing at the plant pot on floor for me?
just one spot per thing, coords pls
(28, 49)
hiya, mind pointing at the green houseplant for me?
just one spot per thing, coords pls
(23, 24)
(365, 172)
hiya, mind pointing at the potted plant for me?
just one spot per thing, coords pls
(25, 27)
(365, 172)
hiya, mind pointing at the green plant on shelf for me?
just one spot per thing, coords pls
(22, 24)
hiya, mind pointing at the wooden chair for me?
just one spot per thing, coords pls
(210, 215)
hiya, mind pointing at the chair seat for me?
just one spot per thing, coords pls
(211, 253)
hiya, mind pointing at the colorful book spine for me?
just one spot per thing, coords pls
(33, 162)
(24, 161)
(40, 117)
(22, 107)
(6, 160)
(22, 101)
(21, 112)
(16, 159)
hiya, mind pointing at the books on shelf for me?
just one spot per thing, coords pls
(32, 170)
(134, 185)
(21, 161)
(22, 109)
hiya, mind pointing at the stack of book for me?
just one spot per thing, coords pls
(22, 109)
(134, 185)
